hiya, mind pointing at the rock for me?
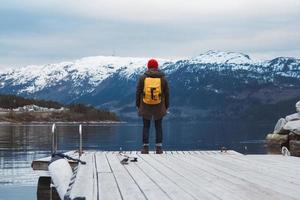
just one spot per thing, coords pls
(293, 136)
(286, 134)
(292, 117)
(295, 147)
(275, 142)
(279, 127)
(298, 106)
(293, 126)
(277, 138)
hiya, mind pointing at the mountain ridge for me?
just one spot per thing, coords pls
(230, 80)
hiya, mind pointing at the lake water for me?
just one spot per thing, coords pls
(20, 144)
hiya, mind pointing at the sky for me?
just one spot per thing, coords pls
(50, 31)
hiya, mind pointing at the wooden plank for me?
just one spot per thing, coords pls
(96, 179)
(200, 152)
(248, 188)
(278, 171)
(215, 152)
(243, 175)
(102, 163)
(208, 152)
(168, 182)
(128, 188)
(108, 188)
(69, 153)
(212, 184)
(42, 163)
(243, 188)
(84, 185)
(145, 182)
(231, 152)
(278, 159)
(152, 152)
(178, 179)
(268, 173)
(178, 152)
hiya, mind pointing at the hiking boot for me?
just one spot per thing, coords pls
(145, 150)
(159, 150)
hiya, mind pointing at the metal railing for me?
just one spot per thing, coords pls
(54, 145)
(54, 139)
(80, 140)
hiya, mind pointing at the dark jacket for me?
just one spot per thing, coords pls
(156, 111)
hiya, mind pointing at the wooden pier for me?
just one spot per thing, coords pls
(184, 175)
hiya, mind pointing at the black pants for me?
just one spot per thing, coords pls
(158, 129)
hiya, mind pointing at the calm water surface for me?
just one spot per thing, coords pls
(20, 144)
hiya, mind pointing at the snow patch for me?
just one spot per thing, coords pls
(220, 57)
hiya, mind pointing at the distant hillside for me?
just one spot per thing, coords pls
(13, 110)
(13, 101)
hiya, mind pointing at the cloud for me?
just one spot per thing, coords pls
(172, 11)
(34, 31)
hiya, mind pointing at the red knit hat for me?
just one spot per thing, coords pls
(152, 63)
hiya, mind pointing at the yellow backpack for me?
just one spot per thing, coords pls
(152, 91)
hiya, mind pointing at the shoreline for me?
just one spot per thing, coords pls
(61, 122)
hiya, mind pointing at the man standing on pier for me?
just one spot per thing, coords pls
(152, 102)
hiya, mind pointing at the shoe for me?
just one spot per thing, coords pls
(159, 150)
(145, 150)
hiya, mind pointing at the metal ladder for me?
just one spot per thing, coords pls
(54, 134)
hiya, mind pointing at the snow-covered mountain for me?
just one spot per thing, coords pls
(219, 57)
(74, 79)
(92, 69)
(201, 86)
